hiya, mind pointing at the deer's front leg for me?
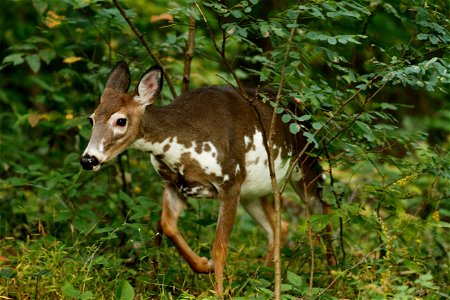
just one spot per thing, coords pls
(173, 205)
(227, 215)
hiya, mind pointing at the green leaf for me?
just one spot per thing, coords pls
(311, 139)
(70, 291)
(124, 291)
(286, 118)
(390, 106)
(368, 132)
(40, 6)
(15, 59)
(47, 55)
(294, 128)
(332, 40)
(279, 110)
(412, 70)
(434, 39)
(422, 15)
(103, 230)
(316, 125)
(34, 61)
(425, 280)
(422, 36)
(441, 224)
(81, 225)
(124, 197)
(295, 279)
(319, 222)
(303, 118)
(236, 13)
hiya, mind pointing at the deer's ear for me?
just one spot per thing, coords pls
(119, 78)
(149, 86)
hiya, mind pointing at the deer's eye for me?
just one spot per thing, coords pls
(121, 122)
(91, 121)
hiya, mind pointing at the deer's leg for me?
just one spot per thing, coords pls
(173, 205)
(229, 199)
(263, 211)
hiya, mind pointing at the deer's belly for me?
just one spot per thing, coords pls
(194, 169)
(257, 181)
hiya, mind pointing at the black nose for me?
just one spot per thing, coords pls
(88, 162)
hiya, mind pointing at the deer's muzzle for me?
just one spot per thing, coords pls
(88, 162)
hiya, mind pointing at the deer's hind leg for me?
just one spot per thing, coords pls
(263, 211)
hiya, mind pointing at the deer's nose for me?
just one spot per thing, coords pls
(88, 162)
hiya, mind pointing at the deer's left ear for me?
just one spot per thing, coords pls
(149, 86)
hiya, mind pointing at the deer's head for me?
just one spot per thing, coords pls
(116, 121)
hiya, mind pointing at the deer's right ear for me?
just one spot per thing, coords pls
(149, 86)
(119, 78)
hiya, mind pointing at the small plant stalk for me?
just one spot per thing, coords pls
(276, 190)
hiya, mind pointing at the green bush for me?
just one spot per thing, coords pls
(371, 78)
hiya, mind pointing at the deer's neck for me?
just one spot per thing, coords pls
(160, 123)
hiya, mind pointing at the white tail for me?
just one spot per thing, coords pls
(207, 144)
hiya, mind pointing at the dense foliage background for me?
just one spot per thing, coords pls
(372, 77)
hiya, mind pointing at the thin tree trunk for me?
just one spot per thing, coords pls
(189, 54)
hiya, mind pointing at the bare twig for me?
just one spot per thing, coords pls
(338, 199)
(146, 45)
(310, 238)
(221, 52)
(189, 54)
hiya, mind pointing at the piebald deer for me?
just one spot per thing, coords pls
(208, 143)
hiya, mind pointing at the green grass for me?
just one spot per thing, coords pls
(126, 261)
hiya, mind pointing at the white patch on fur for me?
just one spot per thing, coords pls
(247, 141)
(101, 146)
(196, 191)
(155, 163)
(257, 182)
(175, 204)
(172, 157)
(96, 150)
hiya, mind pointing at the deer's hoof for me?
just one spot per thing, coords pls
(211, 265)
(204, 265)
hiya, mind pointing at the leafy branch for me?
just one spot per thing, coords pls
(146, 46)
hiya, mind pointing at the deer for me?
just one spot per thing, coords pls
(208, 143)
